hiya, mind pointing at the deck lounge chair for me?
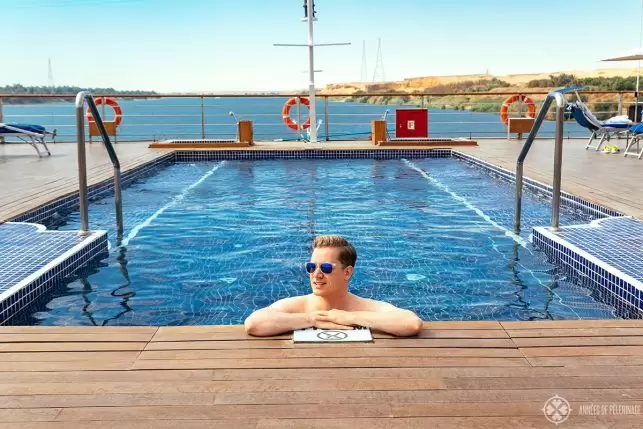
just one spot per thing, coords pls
(617, 126)
(31, 134)
(636, 134)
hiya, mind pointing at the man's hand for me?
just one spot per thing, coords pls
(330, 325)
(342, 318)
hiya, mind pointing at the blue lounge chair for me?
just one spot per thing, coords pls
(31, 134)
(636, 134)
(602, 130)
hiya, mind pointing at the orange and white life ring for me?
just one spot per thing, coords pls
(285, 113)
(531, 107)
(118, 113)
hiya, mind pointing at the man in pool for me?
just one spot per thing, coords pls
(331, 305)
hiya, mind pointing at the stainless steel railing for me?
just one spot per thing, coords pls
(81, 98)
(558, 157)
(162, 117)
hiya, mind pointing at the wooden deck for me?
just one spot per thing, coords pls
(454, 374)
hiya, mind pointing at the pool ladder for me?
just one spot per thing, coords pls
(81, 98)
(558, 156)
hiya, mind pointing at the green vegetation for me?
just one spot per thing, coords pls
(603, 106)
(482, 85)
(19, 89)
(400, 97)
(591, 83)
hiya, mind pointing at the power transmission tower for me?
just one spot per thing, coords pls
(364, 75)
(51, 76)
(378, 74)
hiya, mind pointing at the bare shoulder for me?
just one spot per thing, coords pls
(293, 304)
(367, 304)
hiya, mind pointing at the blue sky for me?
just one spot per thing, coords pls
(224, 45)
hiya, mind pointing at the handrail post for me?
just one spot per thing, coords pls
(81, 97)
(558, 161)
(1, 119)
(82, 161)
(299, 128)
(326, 116)
(560, 110)
(521, 159)
(202, 120)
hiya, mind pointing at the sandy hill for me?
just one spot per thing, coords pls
(425, 83)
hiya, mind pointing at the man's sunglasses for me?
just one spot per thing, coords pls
(325, 267)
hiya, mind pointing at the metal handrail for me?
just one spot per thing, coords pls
(152, 119)
(303, 94)
(558, 156)
(81, 97)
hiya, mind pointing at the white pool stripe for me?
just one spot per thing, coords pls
(464, 201)
(134, 232)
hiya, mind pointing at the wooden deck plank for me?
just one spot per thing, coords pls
(560, 382)
(472, 409)
(149, 387)
(89, 376)
(295, 411)
(584, 351)
(522, 422)
(331, 351)
(424, 396)
(29, 415)
(68, 356)
(379, 362)
(232, 412)
(74, 338)
(570, 324)
(165, 334)
(577, 341)
(585, 360)
(149, 330)
(71, 347)
(467, 324)
(189, 375)
(575, 332)
(207, 329)
(136, 424)
(83, 365)
(311, 397)
(62, 400)
(393, 343)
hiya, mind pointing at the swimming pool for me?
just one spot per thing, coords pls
(208, 243)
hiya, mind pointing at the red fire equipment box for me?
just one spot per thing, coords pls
(411, 123)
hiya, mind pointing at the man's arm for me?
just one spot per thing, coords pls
(387, 318)
(285, 315)
(280, 317)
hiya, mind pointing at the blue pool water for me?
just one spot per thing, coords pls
(208, 243)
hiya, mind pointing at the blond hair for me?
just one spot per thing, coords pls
(347, 253)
